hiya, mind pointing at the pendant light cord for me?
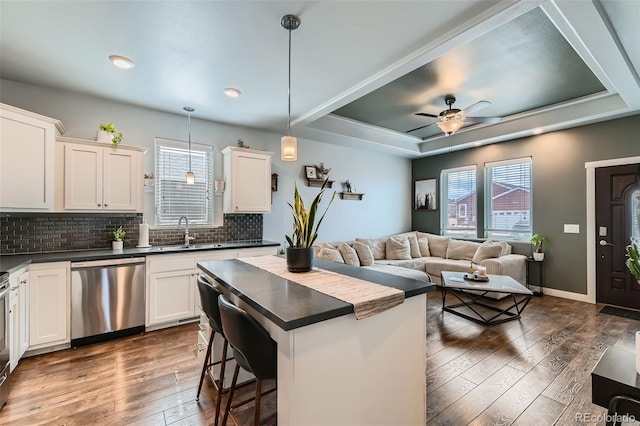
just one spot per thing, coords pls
(289, 90)
(189, 115)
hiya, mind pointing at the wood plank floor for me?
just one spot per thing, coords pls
(535, 371)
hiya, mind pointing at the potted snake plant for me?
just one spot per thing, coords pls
(299, 254)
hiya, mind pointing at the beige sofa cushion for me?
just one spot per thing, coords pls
(461, 250)
(506, 248)
(487, 250)
(412, 236)
(437, 244)
(330, 254)
(397, 248)
(349, 254)
(423, 246)
(378, 246)
(364, 253)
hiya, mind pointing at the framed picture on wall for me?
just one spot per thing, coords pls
(311, 172)
(425, 194)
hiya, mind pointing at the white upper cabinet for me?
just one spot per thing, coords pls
(27, 144)
(247, 173)
(94, 176)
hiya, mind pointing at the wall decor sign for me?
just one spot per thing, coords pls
(425, 194)
(311, 172)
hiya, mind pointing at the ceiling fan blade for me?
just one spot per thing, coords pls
(418, 128)
(478, 105)
(482, 119)
(424, 114)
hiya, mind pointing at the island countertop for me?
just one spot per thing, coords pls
(290, 305)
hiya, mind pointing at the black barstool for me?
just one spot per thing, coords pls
(209, 299)
(253, 349)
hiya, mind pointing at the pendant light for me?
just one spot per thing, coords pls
(289, 144)
(191, 177)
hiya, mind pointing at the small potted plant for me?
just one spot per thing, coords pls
(108, 132)
(117, 238)
(537, 241)
(299, 254)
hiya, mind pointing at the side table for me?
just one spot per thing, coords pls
(615, 385)
(540, 282)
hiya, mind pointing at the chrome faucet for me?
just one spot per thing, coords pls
(187, 238)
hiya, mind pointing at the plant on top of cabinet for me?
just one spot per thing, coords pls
(113, 134)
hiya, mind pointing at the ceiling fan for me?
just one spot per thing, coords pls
(451, 120)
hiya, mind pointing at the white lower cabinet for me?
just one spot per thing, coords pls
(172, 293)
(18, 316)
(49, 302)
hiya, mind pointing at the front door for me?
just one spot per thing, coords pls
(617, 208)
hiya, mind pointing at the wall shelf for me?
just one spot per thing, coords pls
(318, 183)
(351, 195)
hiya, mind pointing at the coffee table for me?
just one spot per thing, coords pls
(475, 307)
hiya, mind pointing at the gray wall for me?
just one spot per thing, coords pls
(385, 179)
(559, 188)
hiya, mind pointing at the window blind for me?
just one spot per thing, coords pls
(458, 205)
(174, 198)
(508, 199)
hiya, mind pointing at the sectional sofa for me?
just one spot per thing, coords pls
(424, 256)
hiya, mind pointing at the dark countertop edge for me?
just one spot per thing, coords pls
(285, 325)
(410, 287)
(14, 262)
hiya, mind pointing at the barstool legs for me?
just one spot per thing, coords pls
(230, 396)
(223, 365)
(207, 358)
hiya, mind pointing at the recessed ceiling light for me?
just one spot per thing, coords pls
(122, 62)
(232, 92)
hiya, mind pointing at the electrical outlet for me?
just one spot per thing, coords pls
(571, 228)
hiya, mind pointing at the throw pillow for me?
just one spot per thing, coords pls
(506, 248)
(330, 254)
(398, 249)
(461, 250)
(349, 254)
(423, 245)
(438, 245)
(487, 250)
(413, 246)
(364, 253)
(377, 246)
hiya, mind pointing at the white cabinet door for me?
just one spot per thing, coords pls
(82, 177)
(48, 307)
(13, 325)
(121, 184)
(23, 315)
(26, 160)
(171, 296)
(248, 177)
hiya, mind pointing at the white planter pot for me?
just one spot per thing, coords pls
(538, 256)
(117, 245)
(102, 136)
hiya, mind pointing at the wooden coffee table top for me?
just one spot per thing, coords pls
(499, 283)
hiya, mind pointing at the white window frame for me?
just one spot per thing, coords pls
(504, 233)
(444, 203)
(199, 202)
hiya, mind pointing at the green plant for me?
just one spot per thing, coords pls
(537, 241)
(305, 230)
(633, 256)
(117, 234)
(116, 135)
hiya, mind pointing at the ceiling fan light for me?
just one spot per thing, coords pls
(289, 148)
(450, 126)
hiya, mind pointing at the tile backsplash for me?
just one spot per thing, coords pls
(41, 233)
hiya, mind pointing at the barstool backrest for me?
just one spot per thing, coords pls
(249, 339)
(209, 299)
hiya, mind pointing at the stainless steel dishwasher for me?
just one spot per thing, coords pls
(107, 299)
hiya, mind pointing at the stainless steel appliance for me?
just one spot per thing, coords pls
(4, 339)
(107, 299)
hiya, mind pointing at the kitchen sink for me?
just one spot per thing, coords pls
(183, 247)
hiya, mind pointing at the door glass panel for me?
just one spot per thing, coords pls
(635, 212)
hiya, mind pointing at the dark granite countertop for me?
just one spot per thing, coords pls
(13, 262)
(290, 305)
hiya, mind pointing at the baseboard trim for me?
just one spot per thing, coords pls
(567, 295)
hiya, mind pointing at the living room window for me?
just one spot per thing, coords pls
(174, 198)
(508, 199)
(459, 196)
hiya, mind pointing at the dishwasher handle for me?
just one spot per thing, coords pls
(108, 262)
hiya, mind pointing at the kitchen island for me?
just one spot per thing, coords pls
(332, 368)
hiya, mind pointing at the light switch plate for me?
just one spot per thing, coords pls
(571, 228)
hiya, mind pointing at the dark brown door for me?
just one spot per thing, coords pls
(617, 199)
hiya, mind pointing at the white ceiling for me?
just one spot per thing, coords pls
(187, 52)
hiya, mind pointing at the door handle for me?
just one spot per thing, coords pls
(605, 243)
